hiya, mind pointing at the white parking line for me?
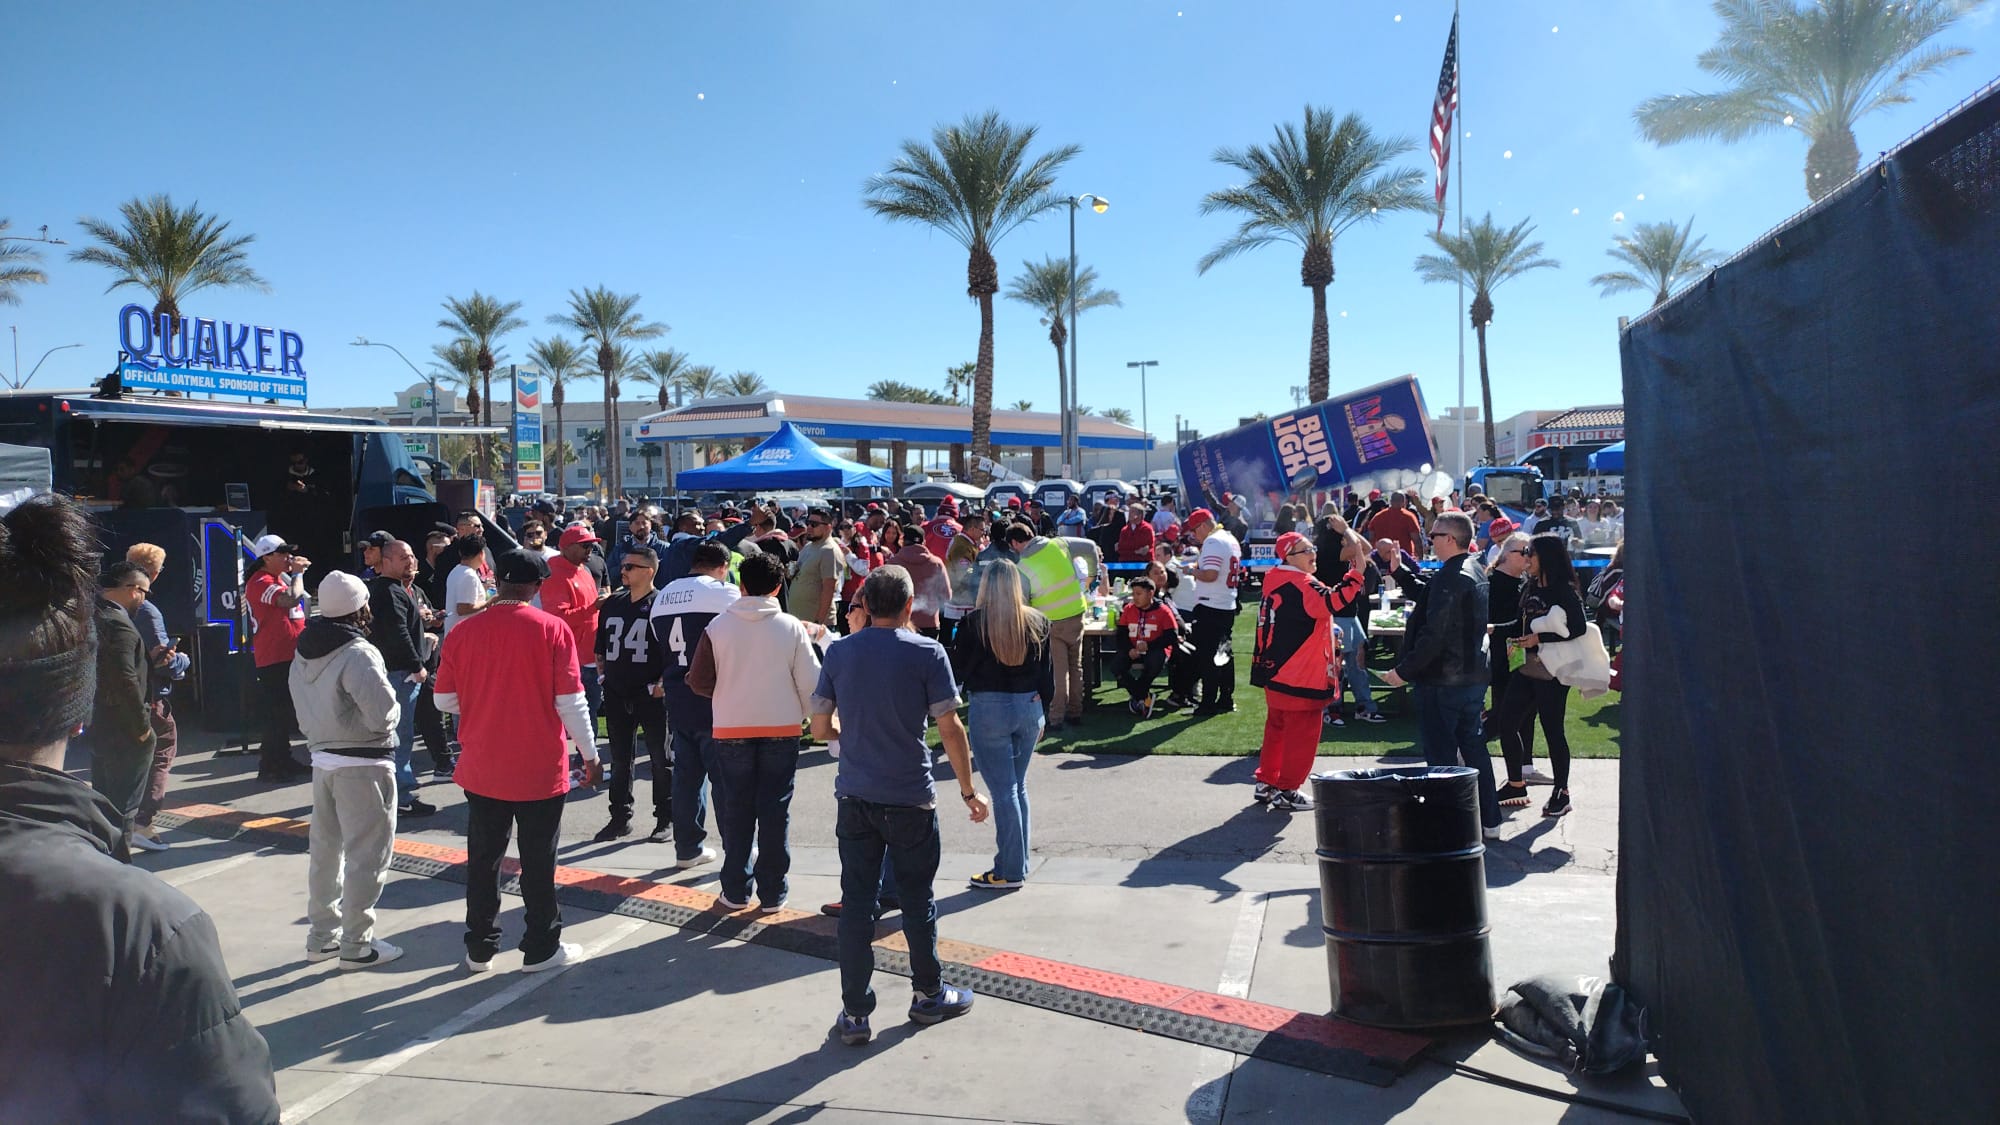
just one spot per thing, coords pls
(306, 1107)
(1213, 1064)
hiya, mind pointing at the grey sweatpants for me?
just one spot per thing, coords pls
(352, 837)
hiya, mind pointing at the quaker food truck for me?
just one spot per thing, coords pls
(203, 477)
(1376, 437)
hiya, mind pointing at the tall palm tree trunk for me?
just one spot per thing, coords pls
(1319, 376)
(1486, 395)
(560, 450)
(614, 442)
(1830, 162)
(982, 391)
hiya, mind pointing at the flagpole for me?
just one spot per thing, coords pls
(1458, 63)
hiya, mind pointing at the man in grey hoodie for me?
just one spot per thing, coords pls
(340, 689)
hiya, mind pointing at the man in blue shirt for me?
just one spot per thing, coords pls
(876, 689)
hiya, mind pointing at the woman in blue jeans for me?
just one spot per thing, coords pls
(1003, 657)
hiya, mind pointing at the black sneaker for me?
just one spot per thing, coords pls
(883, 906)
(618, 827)
(662, 829)
(1177, 703)
(1558, 803)
(416, 807)
(1224, 707)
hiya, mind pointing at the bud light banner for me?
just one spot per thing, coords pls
(196, 355)
(1378, 437)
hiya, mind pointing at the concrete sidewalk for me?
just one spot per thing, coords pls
(1151, 867)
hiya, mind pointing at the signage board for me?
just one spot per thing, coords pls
(196, 355)
(1377, 437)
(527, 431)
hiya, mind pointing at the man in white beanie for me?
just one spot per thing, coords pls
(340, 689)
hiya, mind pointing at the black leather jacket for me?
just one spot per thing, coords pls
(1446, 643)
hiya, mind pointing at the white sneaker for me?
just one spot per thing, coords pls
(325, 952)
(1536, 777)
(1263, 793)
(379, 953)
(706, 855)
(567, 953)
(773, 907)
(472, 966)
(148, 839)
(1291, 800)
(1490, 833)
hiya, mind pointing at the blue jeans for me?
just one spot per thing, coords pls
(690, 804)
(1448, 729)
(906, 839)
(406, 735)
(1353, 669)
(752, 778)
(1004, 727)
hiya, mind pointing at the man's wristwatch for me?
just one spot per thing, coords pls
(967, 797)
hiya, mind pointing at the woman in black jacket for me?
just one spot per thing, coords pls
(1532, 691)
(1003, 652)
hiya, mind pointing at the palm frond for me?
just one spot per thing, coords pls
(169, 251)
(972, 181)
(1484, 256)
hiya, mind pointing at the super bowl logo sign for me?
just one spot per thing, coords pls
(770, 456)
(196, 355)
(1374, 430)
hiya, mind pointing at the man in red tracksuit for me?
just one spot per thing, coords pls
(1297, 663)
(1148, 628)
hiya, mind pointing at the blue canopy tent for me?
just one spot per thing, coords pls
(1610, 459)
(786, 459)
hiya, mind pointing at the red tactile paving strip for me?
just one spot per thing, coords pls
(1369, 1054)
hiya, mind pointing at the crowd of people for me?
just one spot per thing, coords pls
(1497, 635)
(500, 643)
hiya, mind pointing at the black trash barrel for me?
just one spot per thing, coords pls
(1402, 872)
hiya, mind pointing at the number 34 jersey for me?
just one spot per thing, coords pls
(628, 657)
(681, 613)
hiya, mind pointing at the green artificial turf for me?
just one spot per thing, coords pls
(1109, 728)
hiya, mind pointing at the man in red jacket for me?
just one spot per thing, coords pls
(1149, 629)
(1297, 663)
(1135, 541)
(510, 675)
(570, 595)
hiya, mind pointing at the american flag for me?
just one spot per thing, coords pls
(1441, 115)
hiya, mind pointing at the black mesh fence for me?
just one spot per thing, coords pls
(1811, 776)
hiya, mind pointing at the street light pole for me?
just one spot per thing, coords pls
(38, 363)
(1145, 451)
(430, 380)
(1072, 424)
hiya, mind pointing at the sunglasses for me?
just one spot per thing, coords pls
(1302, 551)
(635, 566)
(1440, 534)
(815, 523)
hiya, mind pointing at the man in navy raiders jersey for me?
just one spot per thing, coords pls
(681, 613)
(630, 660)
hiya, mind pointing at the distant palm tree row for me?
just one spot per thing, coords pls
(1816, 66)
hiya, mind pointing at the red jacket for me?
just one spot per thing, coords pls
(1135, 543)
(939, 533)
(569, 594)
(1298, 653)
(1155, 625)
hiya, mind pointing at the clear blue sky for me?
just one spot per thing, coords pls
(710, 157)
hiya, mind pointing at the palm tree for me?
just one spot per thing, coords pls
(889, 390)
(608, 320)
(664, 368)
(1306, 189)
(1022, 404)
(975, 183)
(957, 378)
(481, 320)
(1818, 67)
(1660, 254)
(1044, 286)
(649, 452)
(169, 251)
(560, 361)
(593, 444)
(1483, 257)
(701, 381)
(1119, 415)
(744, 383)
(458, 367)
(19, 265)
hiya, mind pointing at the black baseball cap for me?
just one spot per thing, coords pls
(520, 566)
(378, 539)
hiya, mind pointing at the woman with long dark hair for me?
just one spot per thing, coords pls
(1003, 656)
(1533, 691)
